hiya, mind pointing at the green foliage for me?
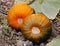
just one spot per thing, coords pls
(5, 27)
(41, 1)
(55, 42)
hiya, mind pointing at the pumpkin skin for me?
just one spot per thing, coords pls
(18, 11)
(41, 22)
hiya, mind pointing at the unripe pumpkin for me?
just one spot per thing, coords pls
(17, 13)
(36, 27)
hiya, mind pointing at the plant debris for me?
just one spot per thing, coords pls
(5, 5)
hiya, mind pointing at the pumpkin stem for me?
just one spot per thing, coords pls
(20, 20)
(35, 30)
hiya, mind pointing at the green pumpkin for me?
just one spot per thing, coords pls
(36, 27)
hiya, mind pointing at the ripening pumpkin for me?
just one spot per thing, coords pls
(17, 13)
(36, 27)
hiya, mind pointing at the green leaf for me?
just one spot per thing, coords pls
(55, 42)
(58, 19)
(41, 1)
(5, 27)
(49, 7)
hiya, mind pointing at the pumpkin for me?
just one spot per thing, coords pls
(36, 27)
(17, 13)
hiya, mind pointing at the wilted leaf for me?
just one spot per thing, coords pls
(55, 42)
(49, 7)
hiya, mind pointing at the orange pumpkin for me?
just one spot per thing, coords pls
(36, 27)
(17, 13)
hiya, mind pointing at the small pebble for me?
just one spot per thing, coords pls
(42, 44)
(24, 43)
(0, 33)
